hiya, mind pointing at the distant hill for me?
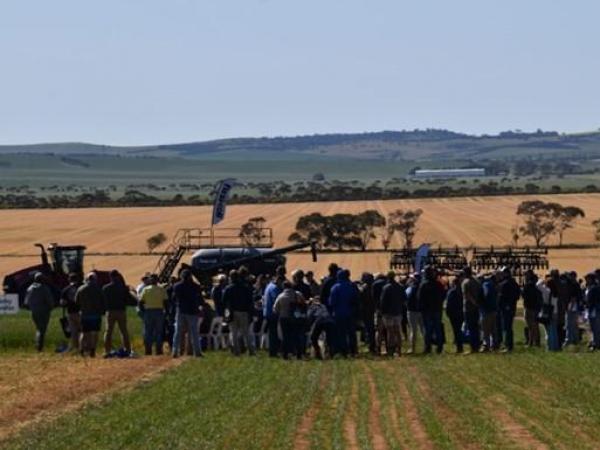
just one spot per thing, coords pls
(385, 145)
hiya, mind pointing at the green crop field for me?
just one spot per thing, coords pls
(527, 399)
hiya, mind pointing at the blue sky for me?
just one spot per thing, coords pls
(159, 71)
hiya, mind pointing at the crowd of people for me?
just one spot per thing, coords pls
(296, 316)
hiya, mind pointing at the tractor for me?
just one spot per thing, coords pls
(57, 262)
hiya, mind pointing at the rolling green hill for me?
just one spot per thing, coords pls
(413, 145)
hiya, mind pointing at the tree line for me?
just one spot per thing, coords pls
(278, 192)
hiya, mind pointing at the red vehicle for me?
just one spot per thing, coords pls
(57, 262)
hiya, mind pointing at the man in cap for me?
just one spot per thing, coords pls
(145, 281)
(40, 302)
(90, 300)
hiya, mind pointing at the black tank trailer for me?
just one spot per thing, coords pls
(220, 250)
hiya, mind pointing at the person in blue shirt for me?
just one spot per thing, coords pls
(343, 299)
(272, 291)
(328, 283)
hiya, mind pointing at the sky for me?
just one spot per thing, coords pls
(132, 72)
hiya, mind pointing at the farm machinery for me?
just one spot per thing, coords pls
(217, 251)
(57, 262)
(223, 249)
(445, 259)
(480, 259)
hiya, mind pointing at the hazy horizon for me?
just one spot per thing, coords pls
(153, 72)
(282, 136)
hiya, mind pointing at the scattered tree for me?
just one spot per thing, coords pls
(405, 223)
(539, 220)
(155, 241)
(252, 232)
(310, 228)
(566, 215)
(339, 231)
(386, 236)
(342, 230)
(368, 221)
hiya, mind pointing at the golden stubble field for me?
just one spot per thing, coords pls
(463, 221)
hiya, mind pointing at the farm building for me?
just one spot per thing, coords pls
(449, 173)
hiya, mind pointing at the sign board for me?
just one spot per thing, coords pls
(9, 304)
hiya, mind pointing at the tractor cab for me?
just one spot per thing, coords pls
(66, 259)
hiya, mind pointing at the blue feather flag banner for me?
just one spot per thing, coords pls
(421, 257)
(222, 195)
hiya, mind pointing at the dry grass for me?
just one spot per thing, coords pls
(35, 387)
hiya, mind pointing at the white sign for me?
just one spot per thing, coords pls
(9, 304)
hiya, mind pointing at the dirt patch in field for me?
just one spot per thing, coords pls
(450, 418)
(395, 421)
(378, 440)
(41, 387)
(417, 428)
(350, 420)
(515, 432)
(302, 441)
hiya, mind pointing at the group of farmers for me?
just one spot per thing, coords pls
(291, 315)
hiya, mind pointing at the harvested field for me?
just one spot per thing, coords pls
(445, 221)
(461, 221)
